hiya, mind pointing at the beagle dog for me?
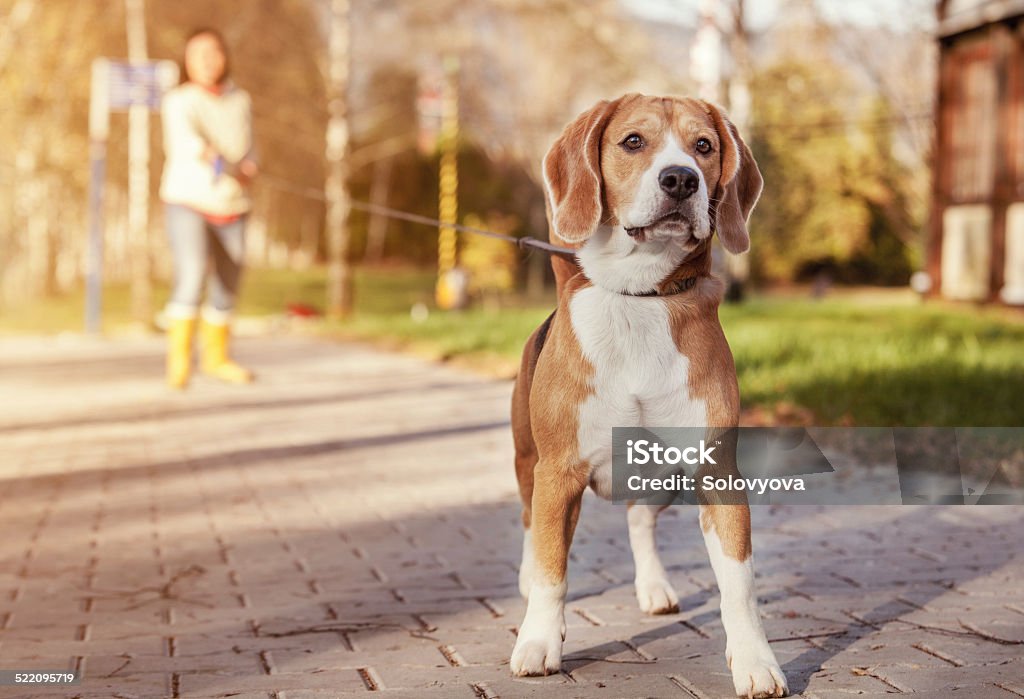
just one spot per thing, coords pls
(637, 185)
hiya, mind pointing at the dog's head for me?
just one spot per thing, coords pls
(649, 178)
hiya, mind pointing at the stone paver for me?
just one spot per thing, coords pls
(348, 525)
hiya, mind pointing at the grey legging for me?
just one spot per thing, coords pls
(194, 240)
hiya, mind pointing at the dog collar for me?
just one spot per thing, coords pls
(676, 286)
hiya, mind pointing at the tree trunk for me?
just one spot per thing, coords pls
(17, 19)
(339, 278)
(138, 172)
(739, 112)
(377, 229)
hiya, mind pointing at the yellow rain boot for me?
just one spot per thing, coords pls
(215, 340)
(179, 351)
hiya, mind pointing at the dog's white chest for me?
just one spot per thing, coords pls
(640, 377)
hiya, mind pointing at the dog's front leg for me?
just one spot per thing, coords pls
(557, 493)
(755, 672)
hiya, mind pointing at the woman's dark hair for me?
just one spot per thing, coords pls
(219, 38)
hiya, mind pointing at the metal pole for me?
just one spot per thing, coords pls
(94, 273)
(339, 278)
(99, 126)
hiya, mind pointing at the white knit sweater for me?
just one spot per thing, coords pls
(193, 118)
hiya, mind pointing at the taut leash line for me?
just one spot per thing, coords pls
(522, 243)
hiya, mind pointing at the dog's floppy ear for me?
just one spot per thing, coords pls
(739, 185)
(572, 174)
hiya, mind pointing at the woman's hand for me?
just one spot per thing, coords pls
(209, 154)
(247, 172)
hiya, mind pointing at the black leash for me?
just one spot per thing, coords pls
(524, 243)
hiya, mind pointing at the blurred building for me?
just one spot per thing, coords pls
(976, 236)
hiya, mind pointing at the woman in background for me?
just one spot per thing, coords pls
(209, 164)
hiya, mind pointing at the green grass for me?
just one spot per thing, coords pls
(381, 291)
(264, 293)
(837, 361)
(828, 362)
(850, 363)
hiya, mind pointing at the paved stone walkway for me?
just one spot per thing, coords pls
(348, 525)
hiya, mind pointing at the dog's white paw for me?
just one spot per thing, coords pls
(538, 651)
(656, 596)
(756, 673)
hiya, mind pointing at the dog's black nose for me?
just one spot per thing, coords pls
(679, 182)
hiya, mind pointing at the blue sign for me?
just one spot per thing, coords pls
(139, 83)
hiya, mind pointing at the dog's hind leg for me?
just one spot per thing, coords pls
(653, 590)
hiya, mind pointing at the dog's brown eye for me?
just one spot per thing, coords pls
(703, 146)
(633, 142)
